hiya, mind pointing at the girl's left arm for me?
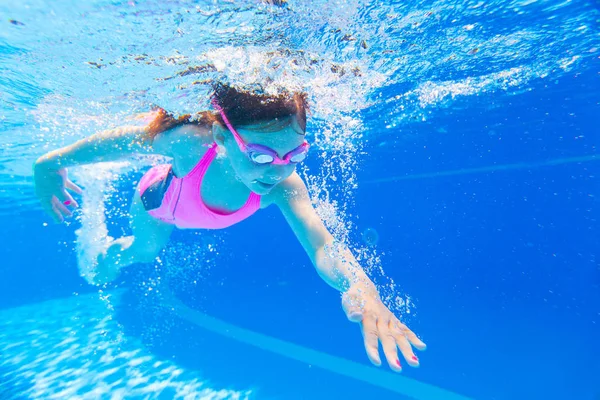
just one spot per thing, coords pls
(334, 263)
(337, 266)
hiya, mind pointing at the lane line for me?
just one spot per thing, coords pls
(491, 168)
(387, 380)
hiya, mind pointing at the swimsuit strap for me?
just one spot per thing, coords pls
(199, 169)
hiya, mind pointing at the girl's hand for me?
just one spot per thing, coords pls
(378, 324)
(51, 187)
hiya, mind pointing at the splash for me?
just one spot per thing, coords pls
(99, 183)
(92, 236)
(181, 266)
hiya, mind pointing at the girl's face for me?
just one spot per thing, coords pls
(282, 135)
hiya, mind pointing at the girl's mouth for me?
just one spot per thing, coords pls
(263, 185)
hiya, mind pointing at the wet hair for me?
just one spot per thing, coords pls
(241, 107)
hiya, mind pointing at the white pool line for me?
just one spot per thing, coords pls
(491, 168)
(378, 377)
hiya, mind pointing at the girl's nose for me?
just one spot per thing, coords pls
(277, 173)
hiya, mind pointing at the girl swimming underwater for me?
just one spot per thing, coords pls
(226, 165)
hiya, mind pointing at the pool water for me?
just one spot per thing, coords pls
(454, 149)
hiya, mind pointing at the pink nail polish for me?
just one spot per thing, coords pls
(67, 202)
(415, 358)
(398, 362)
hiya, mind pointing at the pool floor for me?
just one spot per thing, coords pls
(75, 348)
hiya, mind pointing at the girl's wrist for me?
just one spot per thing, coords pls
(366, 286)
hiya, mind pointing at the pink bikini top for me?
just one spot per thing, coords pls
(182, 204)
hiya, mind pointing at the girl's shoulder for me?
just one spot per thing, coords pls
(290, 190)
(183, 139)
(186, 145)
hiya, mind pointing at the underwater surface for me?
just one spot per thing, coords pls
(455, 149)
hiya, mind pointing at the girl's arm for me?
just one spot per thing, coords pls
(334, 263)
(52, 185)
(109, 145)
(338, 267)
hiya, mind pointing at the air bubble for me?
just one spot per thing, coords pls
(370, 236)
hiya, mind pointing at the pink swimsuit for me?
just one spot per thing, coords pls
(177, 201)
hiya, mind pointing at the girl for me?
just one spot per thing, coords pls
(225, 166)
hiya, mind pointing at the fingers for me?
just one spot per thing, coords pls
(52, 211)
(52, 188)
(65, 197)
(371, 339)
(57, 210)
(401, 335)
(57, 204)
(406, 350)
(388, 342)
(378, 324)
(68, 200)
(412, 338)
(73, 187)
(393, 335)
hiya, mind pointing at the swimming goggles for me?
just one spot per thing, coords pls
(259, 154)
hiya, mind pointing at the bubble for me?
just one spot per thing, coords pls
(370, 236)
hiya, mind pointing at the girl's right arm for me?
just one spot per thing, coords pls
(52, 184)
(108, 145)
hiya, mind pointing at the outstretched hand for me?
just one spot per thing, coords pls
(378, 324)
(52, 187)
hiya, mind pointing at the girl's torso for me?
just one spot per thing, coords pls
(217, 189)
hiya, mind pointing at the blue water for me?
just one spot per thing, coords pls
(477, 188)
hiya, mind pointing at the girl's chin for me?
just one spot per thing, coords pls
(261, 187)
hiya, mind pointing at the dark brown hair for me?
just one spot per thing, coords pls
(241, 107)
